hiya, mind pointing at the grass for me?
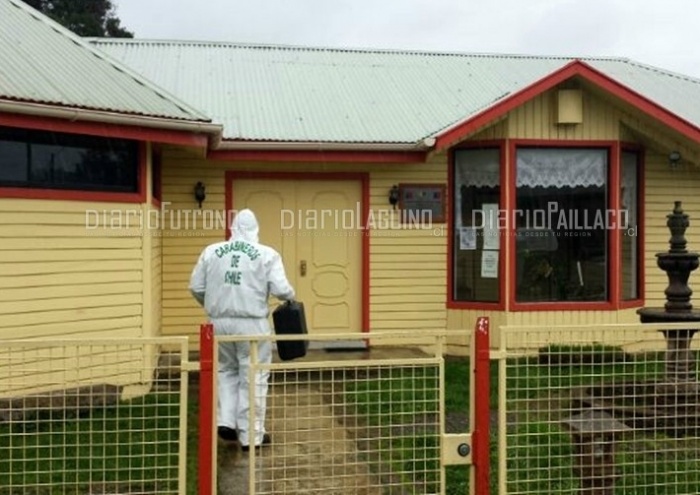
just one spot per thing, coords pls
(132, 446)
(540, 453)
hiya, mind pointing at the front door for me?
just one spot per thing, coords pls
(316, 226)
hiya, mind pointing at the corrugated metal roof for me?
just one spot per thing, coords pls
(42, 62)
(281, 93)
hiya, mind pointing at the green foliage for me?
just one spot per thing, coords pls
(96, 18)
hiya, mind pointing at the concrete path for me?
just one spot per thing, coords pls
(311, 452)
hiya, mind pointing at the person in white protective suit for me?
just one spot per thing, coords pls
(232, 281)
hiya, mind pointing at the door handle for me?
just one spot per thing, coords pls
(302, 268)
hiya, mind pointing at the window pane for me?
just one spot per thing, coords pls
(66, 161)
(561, 225)
(476, 244)
(629, 242)
(14, 159)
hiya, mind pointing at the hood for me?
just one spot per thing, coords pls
(245, 227)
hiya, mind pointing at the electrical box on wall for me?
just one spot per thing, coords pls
(569, 106)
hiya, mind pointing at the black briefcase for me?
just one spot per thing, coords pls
(289, 319)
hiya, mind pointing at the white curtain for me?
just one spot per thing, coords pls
(561, 167)
(478, 168)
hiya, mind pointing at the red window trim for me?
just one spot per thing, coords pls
(156, 176)
(641, 166)
(507, 262)
(614, 300)
(453, 303)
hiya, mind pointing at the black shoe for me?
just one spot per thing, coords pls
(228, 434)
(267, 440)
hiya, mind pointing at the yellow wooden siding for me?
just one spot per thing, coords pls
(27, 369)
(536, 119)
(66, 272)
(58, 278)
(183, 240)
(663, 186)
(408, 278)
(156, 300)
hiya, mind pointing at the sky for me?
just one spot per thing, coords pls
(661, 33)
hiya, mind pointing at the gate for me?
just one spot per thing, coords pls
(355, 422)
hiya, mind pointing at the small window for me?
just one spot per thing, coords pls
(55, 160)
(477, 241)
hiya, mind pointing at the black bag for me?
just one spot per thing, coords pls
(289, 318)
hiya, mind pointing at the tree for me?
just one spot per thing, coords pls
(84, 17)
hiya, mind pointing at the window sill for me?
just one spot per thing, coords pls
(71, 195)
(564, 306)
(486, 306)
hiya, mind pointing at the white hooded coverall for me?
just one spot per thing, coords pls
(233, 281)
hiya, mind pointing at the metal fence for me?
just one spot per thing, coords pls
(598, 410)
(359, 421)
(92, 417)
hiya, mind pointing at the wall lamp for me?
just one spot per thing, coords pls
(394, 195)
(674, 158)
(199, 193)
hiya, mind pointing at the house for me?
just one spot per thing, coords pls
(405, 190)
(78, 133)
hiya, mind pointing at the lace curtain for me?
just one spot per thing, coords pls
(478, 168)
(560, 168)
(553, 167)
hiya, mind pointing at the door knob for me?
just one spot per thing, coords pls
(302, 268)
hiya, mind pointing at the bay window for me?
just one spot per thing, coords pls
(564, 226)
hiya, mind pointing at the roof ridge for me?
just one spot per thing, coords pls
(84, 44)
(367, 50)
(667, 72)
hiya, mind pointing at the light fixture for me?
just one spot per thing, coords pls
(674, 158)
(199, 193)
(394, 195)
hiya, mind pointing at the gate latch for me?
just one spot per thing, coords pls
(457, 449)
